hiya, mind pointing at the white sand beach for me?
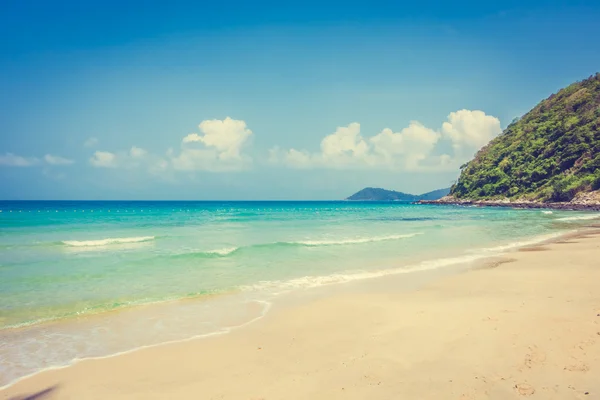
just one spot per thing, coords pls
(528, 326)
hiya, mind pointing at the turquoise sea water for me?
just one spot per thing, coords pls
(60, 261)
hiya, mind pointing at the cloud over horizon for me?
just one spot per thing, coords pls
(14, 160)
(57, 160)
(218, 148)
(104, 159)
(470, 129)
(414, 148)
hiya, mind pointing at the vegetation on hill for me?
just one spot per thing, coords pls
(377, 194)
(550, 154)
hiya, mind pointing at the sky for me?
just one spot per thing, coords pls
(239, 100)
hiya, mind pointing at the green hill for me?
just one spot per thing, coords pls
(377, 194)
(434, 194)
(550, 154)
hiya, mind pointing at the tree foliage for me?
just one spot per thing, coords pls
(550, 154)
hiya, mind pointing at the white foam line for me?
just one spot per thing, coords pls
(104, 242)
(90, 312)
(579, 218)
(223, 251)
(308, 282)
(515, 245)
(223, 331)
(356, 240)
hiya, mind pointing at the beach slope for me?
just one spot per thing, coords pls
(524, 326)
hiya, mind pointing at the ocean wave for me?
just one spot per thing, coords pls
(107, 241)
(546, 212)
(523, 243)
(314, 243)
(307, 282)
(222, 252)
(579, 218)
(229, 251)
(403, 219)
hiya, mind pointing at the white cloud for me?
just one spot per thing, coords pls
(470, 130)
(91, 142)
(104, 159)
(218, 148)
(415, 147)
(291, 157)
(57, 160)
(344, 148)
(137, 152)
(226, 136)
(413, 143)
(135, 157)
(13, 160)
(346, 140)
(220, 144)
(194, 159)
(206, 160)
(300, 159)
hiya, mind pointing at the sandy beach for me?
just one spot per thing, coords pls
(526, 325)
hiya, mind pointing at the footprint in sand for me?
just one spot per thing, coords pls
(534, 357)
(586, 343)
(577, 366)
(524, 389)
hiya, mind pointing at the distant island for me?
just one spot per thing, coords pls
(378, 194)
(549, 157)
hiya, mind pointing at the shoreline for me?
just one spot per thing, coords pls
(435, 266)
(351, 275)
(26, 381)
(223, 331)
(508, 204)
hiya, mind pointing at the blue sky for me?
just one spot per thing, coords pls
(270, 100)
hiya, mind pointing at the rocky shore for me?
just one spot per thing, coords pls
(589, 201)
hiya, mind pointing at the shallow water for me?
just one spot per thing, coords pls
(60, 261)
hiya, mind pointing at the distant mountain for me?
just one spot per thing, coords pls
(435, 194)
(378, 194)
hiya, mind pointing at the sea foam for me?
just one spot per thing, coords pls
(522, 243)
(354, 240)
(227, 251)
(107, 241)
(579, 218)
(307, 282)
(224, 251)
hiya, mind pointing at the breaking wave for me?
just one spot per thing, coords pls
(579, 218)
(339, 242)
(107, 241)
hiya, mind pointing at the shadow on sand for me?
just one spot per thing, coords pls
(42, 395)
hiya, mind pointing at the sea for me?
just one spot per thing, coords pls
(88, 279)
